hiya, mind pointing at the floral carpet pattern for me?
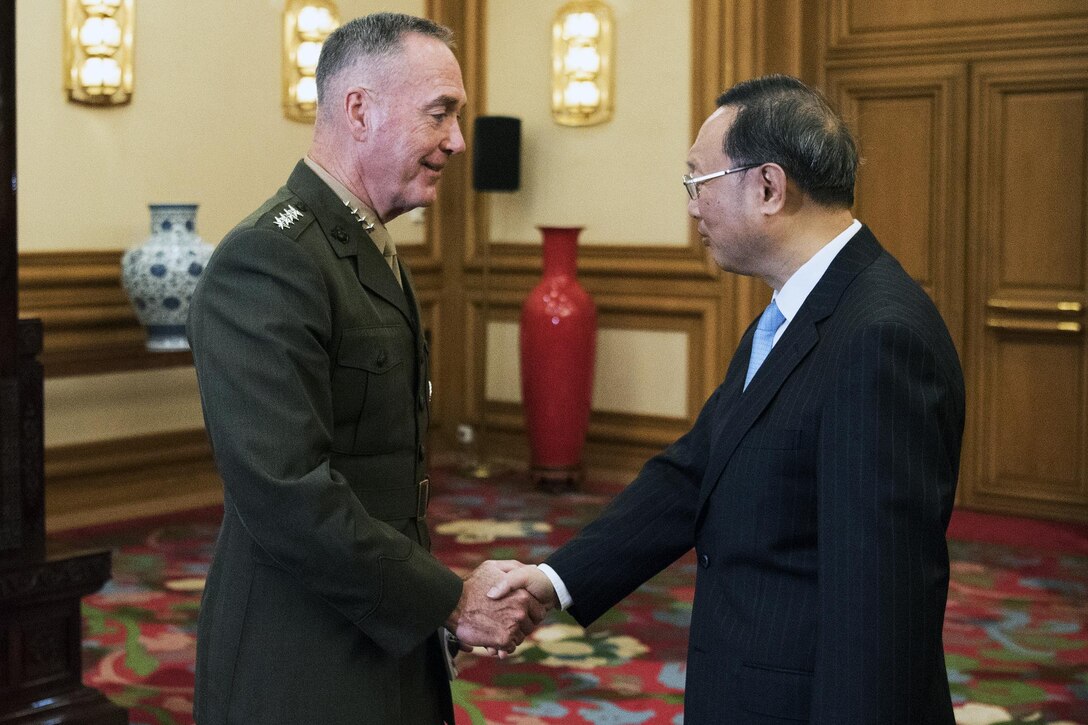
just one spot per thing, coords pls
(1016, 629)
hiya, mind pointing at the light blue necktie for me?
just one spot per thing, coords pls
(768, 324)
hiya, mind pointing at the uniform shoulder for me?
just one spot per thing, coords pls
(285, 213)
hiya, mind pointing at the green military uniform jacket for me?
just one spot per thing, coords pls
(322, 602)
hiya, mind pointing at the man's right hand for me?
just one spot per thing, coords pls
(531, 579)
(498, 623)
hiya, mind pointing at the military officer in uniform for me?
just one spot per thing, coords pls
(323, 603)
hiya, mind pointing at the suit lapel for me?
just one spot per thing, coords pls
(741, 408)
(347, 238)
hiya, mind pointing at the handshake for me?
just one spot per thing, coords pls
(502, 602)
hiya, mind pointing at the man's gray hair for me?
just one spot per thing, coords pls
(377, 37)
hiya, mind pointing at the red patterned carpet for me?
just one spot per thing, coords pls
(1016, 630)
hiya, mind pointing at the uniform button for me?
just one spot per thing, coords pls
(300, 206)
(339, 234)
(380, 360)
(704, 561)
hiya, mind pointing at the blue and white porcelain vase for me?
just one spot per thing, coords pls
(159, 275)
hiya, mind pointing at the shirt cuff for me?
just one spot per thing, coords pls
(560, 588)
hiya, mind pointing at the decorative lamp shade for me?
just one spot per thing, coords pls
(583, 80)
(98, 51)
(306, 24)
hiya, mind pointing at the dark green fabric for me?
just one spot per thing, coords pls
(322, 601)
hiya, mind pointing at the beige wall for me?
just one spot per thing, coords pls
(204, 126)
(641, 372)
(620, 180)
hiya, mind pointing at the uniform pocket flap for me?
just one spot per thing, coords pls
(374, 349)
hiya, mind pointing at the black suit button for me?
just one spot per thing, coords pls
(339, 234)
(380, 360)
(704, 561)
(300, 206)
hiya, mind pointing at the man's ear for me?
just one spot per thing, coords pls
(359, 111)
(773, 182)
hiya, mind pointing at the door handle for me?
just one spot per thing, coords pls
(1035, 325)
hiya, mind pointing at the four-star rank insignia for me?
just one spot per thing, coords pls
(361, 218)
(287, 217)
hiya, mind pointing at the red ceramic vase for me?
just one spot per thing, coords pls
(558, 351)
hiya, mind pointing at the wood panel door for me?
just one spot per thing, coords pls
(911, 125)
(1027, 444)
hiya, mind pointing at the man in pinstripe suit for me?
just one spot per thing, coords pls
(818, 480)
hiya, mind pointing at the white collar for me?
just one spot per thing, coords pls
(797, 288)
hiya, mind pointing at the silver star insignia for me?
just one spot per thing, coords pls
(361, 218)
(287, 217)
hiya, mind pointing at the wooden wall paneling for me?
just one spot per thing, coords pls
(452, 223)
(731, 40)
(695, 316)
(742, 39)
(630, 259)
(88, 324)
(780, 25)
(489, 419)
(500, 271)
(93, 483)
(893, 27)
(1029, 287)
(911, 125)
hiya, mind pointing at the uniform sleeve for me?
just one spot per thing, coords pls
(259, 326)
(886, 478)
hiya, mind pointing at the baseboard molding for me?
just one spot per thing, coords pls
(107, 481)
(88, 484)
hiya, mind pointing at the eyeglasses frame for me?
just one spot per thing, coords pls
(691, 183)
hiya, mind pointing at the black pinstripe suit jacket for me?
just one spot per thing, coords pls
(817, 503)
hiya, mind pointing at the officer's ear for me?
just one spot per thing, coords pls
(359, 110)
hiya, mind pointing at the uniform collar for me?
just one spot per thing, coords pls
(362, 213)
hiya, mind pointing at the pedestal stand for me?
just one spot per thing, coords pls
(40, 624)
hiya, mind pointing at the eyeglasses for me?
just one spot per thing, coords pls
(691, 183)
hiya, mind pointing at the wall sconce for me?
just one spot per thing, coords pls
(582, 60)
(306, 24)
(98, 51)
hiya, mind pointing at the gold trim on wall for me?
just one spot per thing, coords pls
(88, 324)
(696, 315)
(939, 36)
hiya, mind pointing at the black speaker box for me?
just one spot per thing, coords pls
(496, 153)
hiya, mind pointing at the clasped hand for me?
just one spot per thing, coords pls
(501, 603)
